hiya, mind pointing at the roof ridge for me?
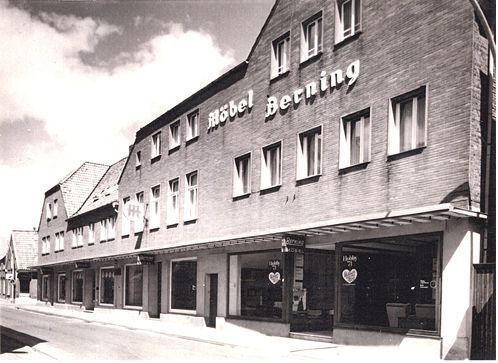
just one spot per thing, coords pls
(63, 180)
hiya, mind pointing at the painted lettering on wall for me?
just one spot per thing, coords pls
(230, 111)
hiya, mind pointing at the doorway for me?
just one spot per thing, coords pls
(211, 299)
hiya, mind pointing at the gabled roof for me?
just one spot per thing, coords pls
(77, 185)
(25, 244)
(106, 190)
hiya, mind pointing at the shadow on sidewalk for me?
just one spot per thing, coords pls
(10, 340)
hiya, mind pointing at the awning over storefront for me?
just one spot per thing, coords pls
(440, 212)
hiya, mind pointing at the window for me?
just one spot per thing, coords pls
(396, 286)
(271, 166)
(191, 196)
(242, 175)
(156, 145)
(193, 125)
(91, 234)
(133, 285)
(347, 19)
(354, 139)
(138, 159)
(107, 285)
(407, 121)
(139, 223)
(309, 153)
(45, 287)
(107, 229)
(184, 285)
(59, 241)
(280, 55)
(49, 211)
(77, 237)
(46, 245)
(172, 215)
(77, 286)
(255, 288)
(125, 222)
(155, 194)
(174, 135)
(55, 211)
(311, 37)
(61, 287)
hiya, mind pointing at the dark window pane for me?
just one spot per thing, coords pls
(183, 285)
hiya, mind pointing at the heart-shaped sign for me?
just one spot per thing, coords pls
(274, 277)
(349, 276)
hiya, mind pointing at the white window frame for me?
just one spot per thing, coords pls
(173, 214)
(192, 125)
(59, 275)
(181, 311)
(155, 145)
(138, 226)
(101, 288)
(72, 288)
(125, 222)
(302, 157)
(266, 168)
(155, 202)
(132, 307)
(345, 137)
(317, 21)
(55, 209)
(238, 183)
(173, 143)
(339, 19)
(280, 66)
(59, 241)
(138, 159)
(191, 210)
(91, 234)
(394, 129)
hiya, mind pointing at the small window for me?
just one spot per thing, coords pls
(271, 166)
(125, 222)
(242, 175)
(355, 139)
(155, 194)
(138, 159)
(91, 234)
(156, 145)
(174, 135)
(55, 211)
(61, 287)
(46, 245)
(347, 19)
(193, 125)
(407, 122)
(173, 197)
(77, 287)
(311, 37)
(191, 196)
(309, 153)
(280, 55)
(49, 211)
(103, 230)
(139, 223)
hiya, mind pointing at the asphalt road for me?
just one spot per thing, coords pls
(64, 338)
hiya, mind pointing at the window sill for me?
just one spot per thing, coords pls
(406, 153)
(172, 224)
(138, 232)
(125, 235)
(59, 251)
(131, 307)
(351, 168)
(241, 196)
(45, 254)
(310, 60)
(174, 149)
(75, 247)
(279, 76)
(347, 40)
(77, 302)
(105, 305)
(308, 179)
(154, 229)
(190, 221)
(267, 190)
(183, 312)
(54, 217)
(138, 167)
(155, 159)
(191, 140)
(91, 243)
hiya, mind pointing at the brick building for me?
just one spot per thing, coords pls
(333, 184)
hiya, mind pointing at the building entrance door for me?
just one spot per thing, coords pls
(211, 299)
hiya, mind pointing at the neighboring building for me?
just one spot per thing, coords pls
(334, 182)
(17, 278)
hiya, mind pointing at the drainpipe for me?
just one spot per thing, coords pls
(486, 26)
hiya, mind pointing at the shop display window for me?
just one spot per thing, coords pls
(133, 285)
(256, 285)
(107, 286)
(77, 286)
(391, 283)
(184, 285)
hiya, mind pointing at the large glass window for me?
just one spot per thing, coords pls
(256, 284)
(61, 287)
(107, 285)
(183, 285)
(390, 283)
(77, 286)
(133, 285)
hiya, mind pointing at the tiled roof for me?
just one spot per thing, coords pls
(79, 184)
(26, 248)
(106, 190)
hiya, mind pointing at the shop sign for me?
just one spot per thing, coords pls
(145, 259)
(349, 259)
(293, 244)
(229, 111)
(349, 274)
(134, 211)
(78, 265)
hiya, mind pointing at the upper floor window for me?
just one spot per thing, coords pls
(309, 153)
(55, 210)
(59, 241)
(108, 229)
(139, 223)
(156, 145)
(271, 166)
(241, 175)
(172, 215)
(347, 19)
(155, 194)
(354, 143)
(49, 211)
(191, 196)
(91, 234)
(311, 37)
(174, 135)
(193, 125)
(280, 55)
(45, 245)
(138, 159)
(125, 222)
(407, 121)
(77, 237)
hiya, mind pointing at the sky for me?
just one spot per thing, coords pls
(78, 78)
